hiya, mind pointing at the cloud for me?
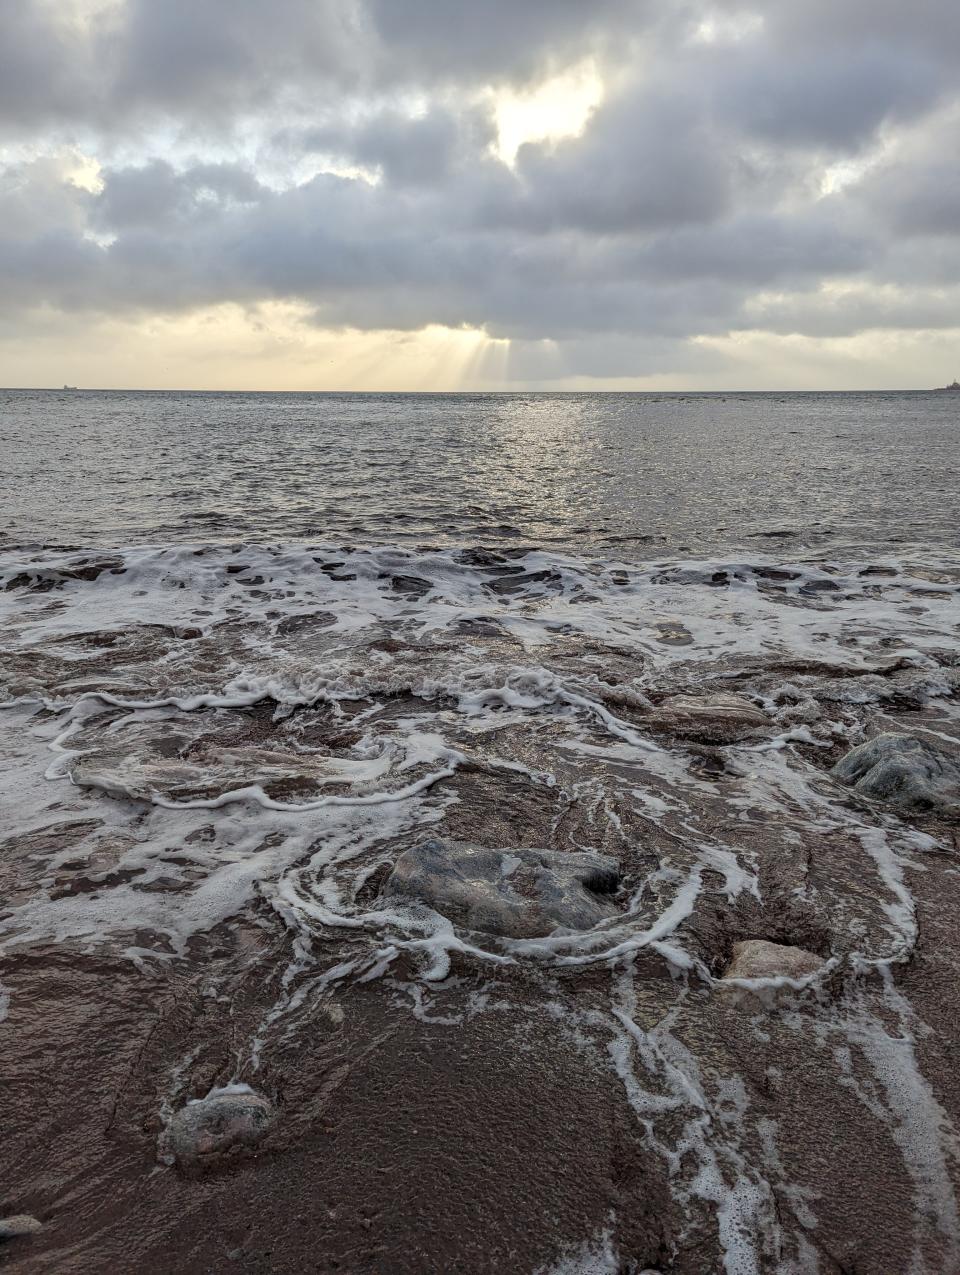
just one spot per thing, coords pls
(499, 40)
(339, 157)
(914, 190)
(826, 97)
(648, 159)
(407, 150)
(928, 27)
(41, 76)
(226, 58)
(226, 54)
(156, 195)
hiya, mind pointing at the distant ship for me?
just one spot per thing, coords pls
(949, 389)
(73, 387)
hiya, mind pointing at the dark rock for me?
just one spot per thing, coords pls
(696, 575)
(775, 573)
(296, 624)
(204, 1130)
(515, 893)
(412, 586)
(517, 583)
(478, 626)
(905, 771)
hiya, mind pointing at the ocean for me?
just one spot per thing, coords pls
(605, 472)
(254, 648)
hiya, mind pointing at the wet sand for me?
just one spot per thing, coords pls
(208, 774)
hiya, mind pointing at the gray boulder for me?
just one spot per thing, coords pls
(202, 1131)
(513, 893)
(758, 958)
(907, 772)
(21, 1224)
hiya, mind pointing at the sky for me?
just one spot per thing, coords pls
(517, 194)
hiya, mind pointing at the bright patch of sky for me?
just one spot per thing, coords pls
(559, 107)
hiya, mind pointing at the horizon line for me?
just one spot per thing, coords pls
(185, 389)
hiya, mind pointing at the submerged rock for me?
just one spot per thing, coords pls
(12, 1228)
(712, 719)
(673, 634)
(514, 893)
(206, 1128)
(905, 771)
(758, 958)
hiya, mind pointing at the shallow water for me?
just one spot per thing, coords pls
(212, 751)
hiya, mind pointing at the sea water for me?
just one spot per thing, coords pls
(254, 646)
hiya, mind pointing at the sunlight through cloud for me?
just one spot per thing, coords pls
(560, 107)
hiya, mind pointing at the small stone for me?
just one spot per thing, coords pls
(205, 1129)
(905, 771)
(413, 586)
(479, 626)
(513, 893)
(757, 958)
(12, 1228)
(673, 634)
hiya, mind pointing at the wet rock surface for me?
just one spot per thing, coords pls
(710, 719)
(207, 1129)
(907, 772)
(758, 958)
(517, 893)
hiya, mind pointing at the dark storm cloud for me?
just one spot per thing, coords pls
(698, 200)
